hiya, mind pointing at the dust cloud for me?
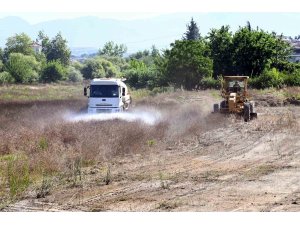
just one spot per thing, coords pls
(147, 116)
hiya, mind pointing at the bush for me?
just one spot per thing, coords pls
(209, 83)
(74, 75)
(140, 78)
(23, 68)
(269, 78)
(99, 67)
(293, 79)
(53, 71)
(6, 78)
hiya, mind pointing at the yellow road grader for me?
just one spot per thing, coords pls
(236, 98)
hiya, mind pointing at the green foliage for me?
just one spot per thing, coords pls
(92, 69)
(154, 51)
(19, 43)
(254, 50)
(220, 44)
(118, 62)
(1, 54)
(23, 68)
(18, 175)
(209, 83)
(74, 75)
(99, 67)
(269, 78)
(6, 78)
(112, 49)
(192, 32)
(286, 66)
(55, 49)
(77, 65)
(188, 62)
(293, 79)
(139, 75)
(1, 66)
(52, 72)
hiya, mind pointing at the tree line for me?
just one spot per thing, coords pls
(193, 62)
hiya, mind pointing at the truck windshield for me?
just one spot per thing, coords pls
(104, 91)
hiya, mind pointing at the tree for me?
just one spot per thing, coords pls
(254, 50)
(154, 51)
(192, 32)
(74, 74)
(188, 62)
(19, 43)
(99, 67)
(23, 68)
(55, 49)
(53, 71)
(112, 49)
(139, 75)
(1, 54)
(220, 44)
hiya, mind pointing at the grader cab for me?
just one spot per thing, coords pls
(236, 98)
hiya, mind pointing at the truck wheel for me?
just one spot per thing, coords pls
(252, 110)
(223, 104)
(216, 108)
(247, 112)
(126, 106)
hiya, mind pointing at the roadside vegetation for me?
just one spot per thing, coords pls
(196, 61)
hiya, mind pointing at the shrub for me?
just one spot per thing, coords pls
(74, 75)
(209, 83)
(269, 78)
(6, 78)
(99, 67)
(141, 76)
(53, 71)
(23, 68)
(293, 79)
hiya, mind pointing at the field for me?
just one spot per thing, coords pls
(186, 159)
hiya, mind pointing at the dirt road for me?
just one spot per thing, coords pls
(196, 161)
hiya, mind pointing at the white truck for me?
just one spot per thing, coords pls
(107, 95)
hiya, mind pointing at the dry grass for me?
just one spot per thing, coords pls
(53, 146)
(40, 92)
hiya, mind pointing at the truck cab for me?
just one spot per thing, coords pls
(107, 96)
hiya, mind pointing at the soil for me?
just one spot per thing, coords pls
(227, 165)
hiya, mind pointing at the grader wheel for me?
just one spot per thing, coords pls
(247, 111)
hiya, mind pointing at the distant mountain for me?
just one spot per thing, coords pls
(91, 33)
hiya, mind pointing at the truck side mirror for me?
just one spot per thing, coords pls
(85, 91)
(123, 91)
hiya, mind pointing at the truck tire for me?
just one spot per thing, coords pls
(252, 110)
(247, 111)
(216, 108)
(125, 106)
(223, 104)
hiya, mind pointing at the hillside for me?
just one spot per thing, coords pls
(91, 31)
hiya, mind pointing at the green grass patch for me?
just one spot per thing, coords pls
(139, 93)
(40, 92)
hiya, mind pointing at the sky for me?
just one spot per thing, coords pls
(35, 11)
